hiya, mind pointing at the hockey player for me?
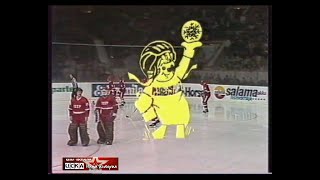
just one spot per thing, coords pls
(79, 113)
(106, 111)
(111, 87)
(205, 96)
(74, 86)
(122, 90)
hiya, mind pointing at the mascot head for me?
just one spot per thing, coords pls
(157, 59)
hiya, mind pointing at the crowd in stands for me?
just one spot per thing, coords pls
(245, 27)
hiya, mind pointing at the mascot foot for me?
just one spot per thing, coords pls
(180, 133)
(160, 132)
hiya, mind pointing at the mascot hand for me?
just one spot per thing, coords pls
(189, 48)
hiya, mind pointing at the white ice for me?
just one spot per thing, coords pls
(231, 138)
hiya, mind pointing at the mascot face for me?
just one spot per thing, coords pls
(166, 67)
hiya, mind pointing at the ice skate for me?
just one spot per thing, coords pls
(154, 124)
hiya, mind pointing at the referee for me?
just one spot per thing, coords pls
(74, 86)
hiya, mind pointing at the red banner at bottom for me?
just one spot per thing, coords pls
(90, 163)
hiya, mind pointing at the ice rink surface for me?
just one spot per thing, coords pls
(231, 138)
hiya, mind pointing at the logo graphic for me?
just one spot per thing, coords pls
(162, 96)
(248, 94)
(191, 31)
(97, 89)
(219, 92)
(90, 163)
(189, 92)
(131, 89)
(62, 89)
(239, 93)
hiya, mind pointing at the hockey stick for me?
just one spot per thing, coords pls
(127, 116)
(98, 120)
(147, 132)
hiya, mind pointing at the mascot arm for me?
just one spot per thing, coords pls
(188, 54)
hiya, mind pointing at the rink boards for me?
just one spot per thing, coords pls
(230, 93)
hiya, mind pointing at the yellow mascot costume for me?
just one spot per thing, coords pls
(162, 96)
